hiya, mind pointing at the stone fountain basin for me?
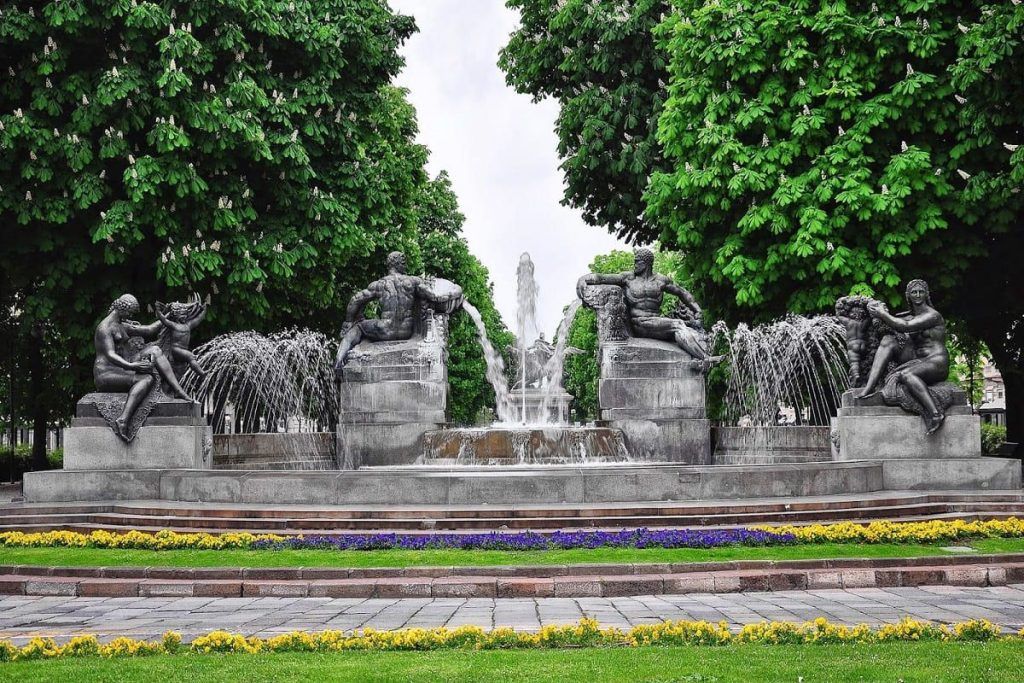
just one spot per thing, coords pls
(514, 445)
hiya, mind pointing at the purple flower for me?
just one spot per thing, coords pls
(531, 540)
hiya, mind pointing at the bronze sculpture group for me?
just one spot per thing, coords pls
(900, 358)
(905, 354)
(139, 360)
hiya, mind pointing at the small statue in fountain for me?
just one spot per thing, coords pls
(540, 363)
(644, 290)
(909, 364)
(852, 312)
(399, 296)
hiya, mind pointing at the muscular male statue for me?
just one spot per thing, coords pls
(644, 292)
(397, 294)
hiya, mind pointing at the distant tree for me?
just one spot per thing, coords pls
(251, 150)
(444, 253)
(598, 59)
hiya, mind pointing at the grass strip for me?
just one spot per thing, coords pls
(908, 662)
(104, 557)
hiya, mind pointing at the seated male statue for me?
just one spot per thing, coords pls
(644, 292)
(397, 295)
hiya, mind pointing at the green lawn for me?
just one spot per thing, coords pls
(975, 662)
(69, 557)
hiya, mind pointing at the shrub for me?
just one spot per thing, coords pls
(992, 437)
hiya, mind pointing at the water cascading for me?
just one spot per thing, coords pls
(527, 431)
(797, 363)
(280, 391)
(526, 319)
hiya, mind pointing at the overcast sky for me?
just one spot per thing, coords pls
(499, 149)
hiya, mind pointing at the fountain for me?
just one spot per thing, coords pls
(377, 413)
(272, 399)
(532, 426)
(796, 365)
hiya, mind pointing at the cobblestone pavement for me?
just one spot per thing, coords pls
(22, 617)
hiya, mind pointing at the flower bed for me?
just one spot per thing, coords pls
(844, 532)
(587, 633)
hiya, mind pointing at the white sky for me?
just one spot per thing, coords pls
(500, 150)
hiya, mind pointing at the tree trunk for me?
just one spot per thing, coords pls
(1013, 382)
(1014, 385)
(36, 400)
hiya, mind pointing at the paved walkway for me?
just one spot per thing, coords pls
(22, 617)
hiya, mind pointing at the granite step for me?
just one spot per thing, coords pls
(570, 581)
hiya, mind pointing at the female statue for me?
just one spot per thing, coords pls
(115, 373)
(918, 346)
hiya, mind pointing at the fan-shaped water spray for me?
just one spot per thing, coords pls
(797, 362)
(283, 382)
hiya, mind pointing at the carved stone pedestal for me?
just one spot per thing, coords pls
(392, 393)
(99, 465)
(950, 458)
(654, 393)
(175, 435)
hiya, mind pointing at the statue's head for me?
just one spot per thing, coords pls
(126, 304)
(178, 311)
(643, 261)
(917, 293)
(847, 307)
(396, 262)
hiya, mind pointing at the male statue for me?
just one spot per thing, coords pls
(644, 292)
(397, 294)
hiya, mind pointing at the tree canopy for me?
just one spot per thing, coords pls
(809, 150)
(598, 59)
(249, 150)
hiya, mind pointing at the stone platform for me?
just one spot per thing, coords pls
(654, 393)
(175, 435)
(391, 394)
(620, 482)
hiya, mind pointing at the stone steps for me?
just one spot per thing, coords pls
(570, 581)
(297, 520)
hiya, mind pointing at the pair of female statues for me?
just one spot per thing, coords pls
(910, 358)
(137, 359)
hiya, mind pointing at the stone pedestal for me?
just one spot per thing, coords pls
(99, 465)
(175, 435)
(950, 458)
(392, 393)
(655, 394)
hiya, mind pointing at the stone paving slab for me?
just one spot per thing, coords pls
(23, 617)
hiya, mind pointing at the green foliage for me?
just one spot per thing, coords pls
(251, 150)
(598, 59)
(992, 437)
(804, 150)
(967, 358)
(446, 254)
(581, 370)
(20, 461)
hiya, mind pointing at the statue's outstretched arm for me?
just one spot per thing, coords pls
(149, 331)
(683, 295)
(914, 323)
(194, 322)
(600, 279)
